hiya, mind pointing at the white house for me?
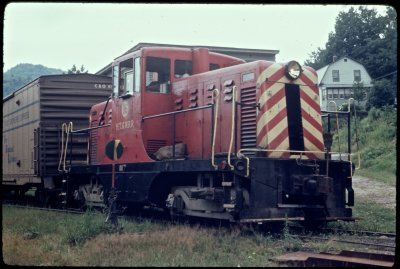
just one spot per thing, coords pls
(337, 80)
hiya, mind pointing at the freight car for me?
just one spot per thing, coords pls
(32, 120)
(203, 134)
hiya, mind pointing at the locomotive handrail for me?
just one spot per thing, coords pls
(232, 126)
(241, 155)
(337, 124)
(67, 128)
(86, 130)
(348, 113)
(289, 150)
(333, 112)
(63, 129)
(215, 127)
(104, 110)
(176, 112)
(356, 129)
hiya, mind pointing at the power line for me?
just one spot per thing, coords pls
(385, 75)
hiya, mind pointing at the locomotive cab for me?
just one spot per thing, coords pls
(142, 93)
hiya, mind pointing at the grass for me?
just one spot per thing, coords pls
(377, 144)
(69, 240)
(42, 238)
(372, 217)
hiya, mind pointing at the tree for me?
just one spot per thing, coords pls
(21, 74)
(368, 38)
(359, 91)
(381, 94)
(74, 70)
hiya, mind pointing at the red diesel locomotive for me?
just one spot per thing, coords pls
(208, 135)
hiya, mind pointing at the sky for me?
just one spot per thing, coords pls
(59, 35)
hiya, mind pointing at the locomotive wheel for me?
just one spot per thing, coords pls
(176, 212)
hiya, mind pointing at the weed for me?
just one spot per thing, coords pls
(85, 228)
(290, 241)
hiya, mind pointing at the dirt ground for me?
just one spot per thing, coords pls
(372, 190)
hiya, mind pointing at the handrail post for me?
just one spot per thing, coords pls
(329, 122)
(173, 138)
(348, 134)
(70, 152)
(214, 101)
(337, 126)
(232, 127)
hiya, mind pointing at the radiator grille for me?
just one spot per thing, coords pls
(248, 119)
(93, 143)
(154, 145)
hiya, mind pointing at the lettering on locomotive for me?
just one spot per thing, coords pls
(124, 125)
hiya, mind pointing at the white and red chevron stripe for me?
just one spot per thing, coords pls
(272, 122)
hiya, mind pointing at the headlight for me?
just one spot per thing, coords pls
(293, 70)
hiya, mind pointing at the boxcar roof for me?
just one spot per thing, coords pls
(51, 76)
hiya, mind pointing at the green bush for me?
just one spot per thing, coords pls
(376, 136)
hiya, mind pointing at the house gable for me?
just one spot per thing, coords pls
(345, 67)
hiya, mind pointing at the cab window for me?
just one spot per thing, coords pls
(214, 66)
(126, 77)
(115, 80)
(158, 75)
(183, 68)
(136, 87)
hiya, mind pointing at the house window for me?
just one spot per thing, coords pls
(330, 96)
(335, 93)
(341, 94)
(335, 76)
(347, 94)
(357, 75)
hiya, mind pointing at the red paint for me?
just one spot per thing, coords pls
(192, 128)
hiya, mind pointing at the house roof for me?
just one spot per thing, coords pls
(322, 71)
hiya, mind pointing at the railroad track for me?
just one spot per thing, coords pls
(301, 229)
(66, 210)
(374, 249)
(296, 228)
(374, 242)
(372, 233)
